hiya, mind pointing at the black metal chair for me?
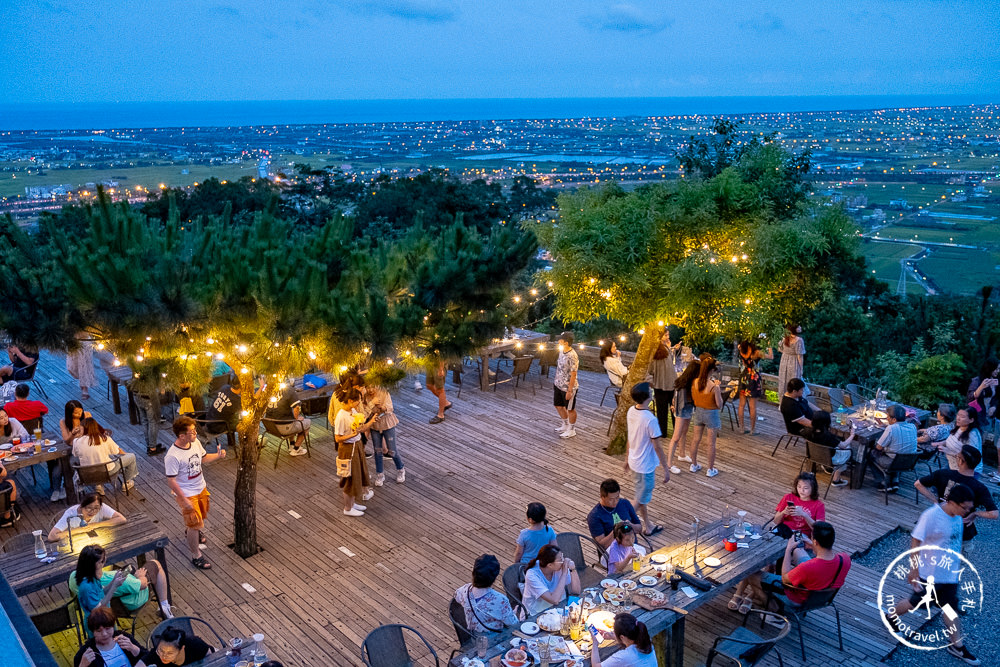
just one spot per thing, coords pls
(746, 649)
(27, 374)
(465, 638)
(814, 600)
(271, 429)
(901, 463)
(729, 403)
(190, 625)
(211, 430)
(385, 646)
(18, 543)
(512, 577)
(788, 439)
(58, 619)
(318, 406)
(613, 388)
(98, 476)
(821, 456)
(571, 544)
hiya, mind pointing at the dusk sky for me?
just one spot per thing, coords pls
(193, 50)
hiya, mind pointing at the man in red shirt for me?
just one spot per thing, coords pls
(825, 570)
(22, 409)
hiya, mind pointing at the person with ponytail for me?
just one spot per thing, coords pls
(535, 536)
(636, 649)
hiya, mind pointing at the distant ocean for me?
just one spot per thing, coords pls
(223, 114)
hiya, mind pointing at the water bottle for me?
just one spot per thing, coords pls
(259, 652)
(40, 550)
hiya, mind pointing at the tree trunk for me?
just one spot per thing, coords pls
(245, 509)
(636, 373)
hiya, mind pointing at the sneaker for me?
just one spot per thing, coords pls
(400, 475)
(297, 451)
(561, 428)
(128, 485)
(963, 654)
(675, 470)
(684, 459)
(694, 467)
(841, 482)
(379, 479)
(58, 494)
(360, 508)
(369, 495)
(711, 472)
(353, 512)
(165, 610)
(99, 489)
(894, 488)
(7, 521)
(568, 433)
(369, 452)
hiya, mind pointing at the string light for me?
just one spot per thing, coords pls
(100, 346)
(210, 341)
(242, 349)
(312, 355)
(517, 299)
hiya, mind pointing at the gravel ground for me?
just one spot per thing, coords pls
(982, 629)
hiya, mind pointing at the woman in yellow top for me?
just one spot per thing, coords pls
(707, 394)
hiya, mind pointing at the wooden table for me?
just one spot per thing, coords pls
(139, 535)
(666, 625)
(122, 375)
(866, 435)
(523, 341)
(61, 454)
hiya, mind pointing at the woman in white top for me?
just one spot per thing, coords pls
(10, 428)
(633, 638)
(965, 432)
(347, 429)
(550, 575)
(611, 359)
(90, 513)
(95, 446)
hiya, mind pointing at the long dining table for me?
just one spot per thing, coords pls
(57, 451)
(868, 430)
(666, 624)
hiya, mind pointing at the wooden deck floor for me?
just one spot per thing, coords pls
(325, 581)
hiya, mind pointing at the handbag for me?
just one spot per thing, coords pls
(344, 465)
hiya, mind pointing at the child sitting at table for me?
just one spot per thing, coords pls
(623, 548)
(93, 587)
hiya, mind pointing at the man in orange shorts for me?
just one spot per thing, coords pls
(183, 464)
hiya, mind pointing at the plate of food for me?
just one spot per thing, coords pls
(4, 454)
(23, 449)
(529, 628)
(647, 580)
(11, 458)
(550, 621)
(659, 558)
(516, 658)
(604, 621)
(653, 596)
(628, 584)
(608, 583)
(614, 594)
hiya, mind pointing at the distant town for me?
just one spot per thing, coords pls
(919, 182)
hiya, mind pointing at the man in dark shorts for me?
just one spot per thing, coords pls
(935, 582)
(565, 385)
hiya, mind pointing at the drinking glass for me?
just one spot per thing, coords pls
(564, 625)
(482, 644)
(575, 631)
(636, 563)
(755, 531)
(544, 652)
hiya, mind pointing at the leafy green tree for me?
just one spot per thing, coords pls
(710, 255)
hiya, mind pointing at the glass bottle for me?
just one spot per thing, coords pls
(259, 651)
(40, 550)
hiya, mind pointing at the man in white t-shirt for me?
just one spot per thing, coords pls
(183, 464)
(643, 452)
(934, 580)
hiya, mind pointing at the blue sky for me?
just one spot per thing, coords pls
(190, 50)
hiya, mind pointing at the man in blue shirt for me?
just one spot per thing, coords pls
(611, 510)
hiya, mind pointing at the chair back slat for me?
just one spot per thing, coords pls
(522, 365)
(385, 646)
(55, 620)
(571, 544)
(93, 475)
(814, 599)
(820, 454)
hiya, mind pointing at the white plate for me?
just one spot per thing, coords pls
(647, 580)
(6, 446)
(529, 628)
(10, 458)
(608, 583)
(628, 584)
(712, 561)
(659, 558)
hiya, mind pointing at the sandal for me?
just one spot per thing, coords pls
(746, 605)
(736, 602)
(436, 420)
(447, 407)
(201, 563)
(656, 529)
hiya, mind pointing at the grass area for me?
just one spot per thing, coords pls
(961, 271)
(883, 258)
(149, 177)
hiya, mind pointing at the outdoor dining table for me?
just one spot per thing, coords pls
(26, 573)
(666, 624)
(58, 451)
(867, 432)
(523, 341)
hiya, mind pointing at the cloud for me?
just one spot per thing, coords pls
(427, 11)
(766, 22)
(626, 18)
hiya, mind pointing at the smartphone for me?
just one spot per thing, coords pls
(797, 535)
(791, 504)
